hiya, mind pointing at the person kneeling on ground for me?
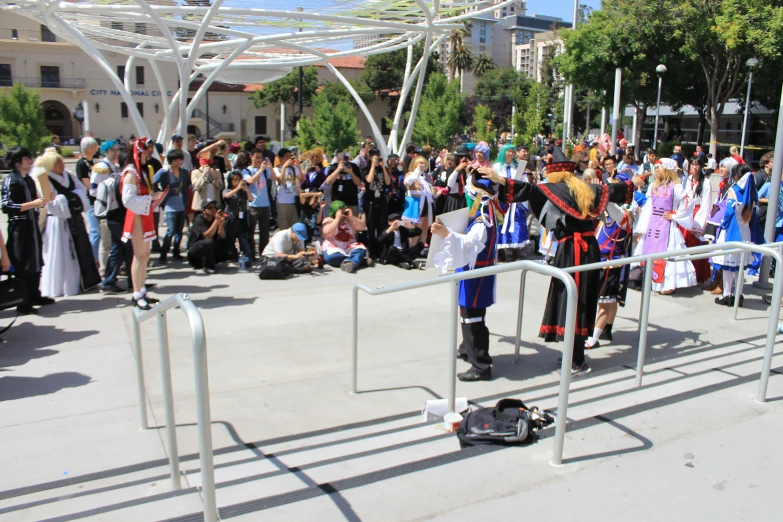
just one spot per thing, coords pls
(209, 243)
(339, 232)
(288, 247)
(395, 241)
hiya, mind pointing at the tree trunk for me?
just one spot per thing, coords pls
(714, 117)
(700, 129)
(641, 115)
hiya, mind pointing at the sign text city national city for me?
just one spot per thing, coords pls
(106, 92)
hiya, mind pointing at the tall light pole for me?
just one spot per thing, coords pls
(616, 118)
(569, 107)
(751, 63)
(660, 70)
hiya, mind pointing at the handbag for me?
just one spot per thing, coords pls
(273, 268)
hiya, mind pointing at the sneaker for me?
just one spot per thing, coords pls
(113, 289)
(579, 371)
(42, 301)
(474, 375)
(177, 257)
(368, 262)
(208, 271)
(162, 261)
(404, 265)
(348, 266)
(26, 310)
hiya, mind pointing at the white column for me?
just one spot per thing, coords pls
(392, 143)
(282, 125)
(417, 96)
(86, 109)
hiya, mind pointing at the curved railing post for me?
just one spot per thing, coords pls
(355, 341)
(772, 325)
(139, 368)
(453, 314)
(739, 283)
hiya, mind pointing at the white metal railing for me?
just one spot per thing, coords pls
(453, 280)
(202, 391)
(699, 252)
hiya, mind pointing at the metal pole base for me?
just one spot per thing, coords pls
(552, 463)
(762, 286)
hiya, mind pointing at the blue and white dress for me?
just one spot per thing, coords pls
(514, 232)
(418, 201)
(734, 228)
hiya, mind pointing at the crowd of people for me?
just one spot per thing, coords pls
(289, 212)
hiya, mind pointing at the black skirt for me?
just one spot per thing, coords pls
(454, 202)
(588, 287)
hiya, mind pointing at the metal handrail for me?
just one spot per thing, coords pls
(692, 253)
(454, 279)
(202, 391)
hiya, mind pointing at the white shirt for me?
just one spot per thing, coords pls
(282, 243)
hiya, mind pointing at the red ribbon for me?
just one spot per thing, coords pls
(580, 245)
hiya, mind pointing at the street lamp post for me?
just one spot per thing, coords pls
(660, 70)
(616, 118)
(751, 63)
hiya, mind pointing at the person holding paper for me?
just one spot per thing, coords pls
(139, 229)
(477, 248)
(513, 235)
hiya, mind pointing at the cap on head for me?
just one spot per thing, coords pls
(300, 230)
(668, 164)
(462, 150)
(393, 217)
(177, 137)
(208, 202)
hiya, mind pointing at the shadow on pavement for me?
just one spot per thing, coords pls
(221, 301)
(24, 342)
(12, 387)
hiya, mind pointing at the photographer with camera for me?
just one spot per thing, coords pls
(376, 182)
(216, 151)
(289, 179)
(209, 243)
(339, 232)
(345, 180)
(175, 183)
(257, 175)
(287, 249)
(236, 198)
(207, 181)
(395, 241)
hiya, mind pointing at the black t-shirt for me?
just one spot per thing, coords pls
(199, 226)
(344, 188)
(236, 204)
(377, 188)
(83, 171)
(440, 177)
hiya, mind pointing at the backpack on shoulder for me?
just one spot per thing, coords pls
(509, 423)
(105, 199)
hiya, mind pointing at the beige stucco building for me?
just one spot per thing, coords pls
(64, 75)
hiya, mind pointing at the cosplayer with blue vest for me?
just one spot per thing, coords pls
(513, 235)
(477, 248)
(740, 223)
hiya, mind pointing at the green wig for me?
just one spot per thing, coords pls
(334, 206)
(502, 154)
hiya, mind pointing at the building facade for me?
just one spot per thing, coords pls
(65, 75)
(530, 52)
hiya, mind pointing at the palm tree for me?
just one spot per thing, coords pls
(482, 64)
(456, 40)
(462, 59)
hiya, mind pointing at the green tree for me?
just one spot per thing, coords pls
(439, 112)
(483, 64)
(635, 35)
(531, 104)
(497, 82)
(286, 91)
(386, 72)
(482, 124)
(332, 126)
(457, 39)
(22, 119)
(461, 59)
(720, 36)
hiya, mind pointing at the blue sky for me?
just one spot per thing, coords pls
(560, 8)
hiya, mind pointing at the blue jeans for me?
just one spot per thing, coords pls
(356, 257)
(95, 231)
(175, 222)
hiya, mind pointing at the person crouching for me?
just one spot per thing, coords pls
(400, 244)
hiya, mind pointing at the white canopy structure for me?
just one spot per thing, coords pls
(235, 42)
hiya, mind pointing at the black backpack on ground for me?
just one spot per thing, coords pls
(509, 423)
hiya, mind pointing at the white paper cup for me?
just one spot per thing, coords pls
(451, 421)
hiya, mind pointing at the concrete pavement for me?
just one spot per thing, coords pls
(291, 444)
